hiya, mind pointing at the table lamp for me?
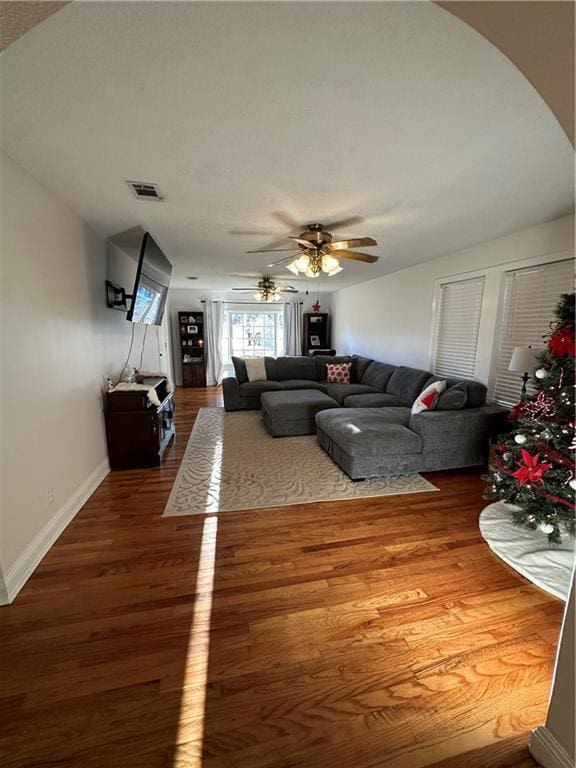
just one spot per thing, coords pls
(524, 361)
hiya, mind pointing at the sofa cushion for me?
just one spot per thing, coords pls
(255, 388)
(321, 361)
(338, 373)
(427, 400)
(296, 368)
(340, 391)
(373, 400)
(240, 369)
(242, 374)
(359, 368)
(377, 375)
(454, 399)
(256, 368)
(371, 431)
(303, 384)
(407, 383)
(475, 392)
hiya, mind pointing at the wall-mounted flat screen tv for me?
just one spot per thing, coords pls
(151, 285)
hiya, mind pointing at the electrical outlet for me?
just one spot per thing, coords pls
(50, 496)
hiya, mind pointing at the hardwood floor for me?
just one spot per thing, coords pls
(357, 634)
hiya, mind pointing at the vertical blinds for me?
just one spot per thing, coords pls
(458, 322)
(530, 298)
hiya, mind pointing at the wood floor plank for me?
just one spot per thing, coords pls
(371, 632)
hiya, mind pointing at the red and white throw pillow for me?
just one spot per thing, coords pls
(338, 373)
(428, 398)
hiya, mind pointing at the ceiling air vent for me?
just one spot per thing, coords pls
(145, 190)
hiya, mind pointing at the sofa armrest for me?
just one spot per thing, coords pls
(231, 391)
(458, 438)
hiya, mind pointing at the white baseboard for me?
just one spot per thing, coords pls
(20, 572)
(547, 750)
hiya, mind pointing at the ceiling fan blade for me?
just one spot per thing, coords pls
(270, 250)
(349, 222)
(288, 289)
(357, 242)
(287, 220)
(281, 261)
(305, 243)
(255, 288)
(252, 232)
(356, 256)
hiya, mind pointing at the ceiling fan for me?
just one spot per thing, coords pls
(317, 251)
(267, 290)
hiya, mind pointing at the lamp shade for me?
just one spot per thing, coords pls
(523, 359)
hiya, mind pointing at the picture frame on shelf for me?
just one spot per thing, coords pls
(315, 341)
(192, 330)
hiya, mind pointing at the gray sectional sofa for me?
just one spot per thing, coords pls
(367, 427)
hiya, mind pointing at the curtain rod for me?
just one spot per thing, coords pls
(254, 303)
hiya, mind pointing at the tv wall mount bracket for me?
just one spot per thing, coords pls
(116, 297)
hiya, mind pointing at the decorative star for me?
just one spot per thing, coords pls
(316, 307)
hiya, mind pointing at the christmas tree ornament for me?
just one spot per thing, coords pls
(520, 439)
(546, 527)
(506, 456)
(541, 373)
(572, 484)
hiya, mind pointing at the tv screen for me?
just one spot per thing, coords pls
(151, 285)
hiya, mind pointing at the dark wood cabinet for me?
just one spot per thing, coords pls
(137, 431)
(191, 345)
(316, 333)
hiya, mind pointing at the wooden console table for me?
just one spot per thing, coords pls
(138, 432)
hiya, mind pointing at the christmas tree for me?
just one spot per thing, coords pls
(533, 464)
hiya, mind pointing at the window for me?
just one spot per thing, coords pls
(530, 298)
(457, 325)
(253, 334)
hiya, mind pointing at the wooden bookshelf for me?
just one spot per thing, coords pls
(191, 345)
(316, 335)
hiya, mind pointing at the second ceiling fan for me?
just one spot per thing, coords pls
(318, 252)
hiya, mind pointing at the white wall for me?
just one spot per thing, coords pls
(553, 744)
(59, 343)
(390, 318)
(190, 300)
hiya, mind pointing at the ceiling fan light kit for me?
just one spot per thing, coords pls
(317, 252)
(267, 290)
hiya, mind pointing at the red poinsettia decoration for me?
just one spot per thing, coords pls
(516, 412)
(530, 469)
(562, 342)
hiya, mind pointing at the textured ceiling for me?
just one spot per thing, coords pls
(394, 111)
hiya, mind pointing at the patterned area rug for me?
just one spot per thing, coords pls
(231, 462)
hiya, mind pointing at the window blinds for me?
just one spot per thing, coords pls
(530, 298)
(458, 322)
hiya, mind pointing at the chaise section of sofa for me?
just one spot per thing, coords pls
(371, 442)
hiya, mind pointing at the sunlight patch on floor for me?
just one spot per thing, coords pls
(192, 707)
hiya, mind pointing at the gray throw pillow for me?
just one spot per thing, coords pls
(240, 369)
(453, 399)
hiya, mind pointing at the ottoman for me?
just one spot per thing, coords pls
(370, 442)
(293, 412)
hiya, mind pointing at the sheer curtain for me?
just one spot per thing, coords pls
(214, 327)
(293, 328)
